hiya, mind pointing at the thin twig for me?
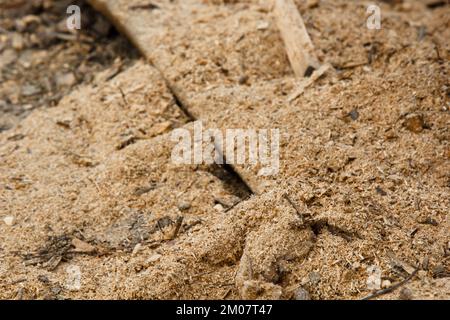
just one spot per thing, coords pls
(226, 293)
(391, 288)
(295, 207)
(178, 223)
(124, 98)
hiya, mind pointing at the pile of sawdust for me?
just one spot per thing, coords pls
(361, 200)
(41, 60)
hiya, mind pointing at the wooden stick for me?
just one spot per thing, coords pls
(299, 47)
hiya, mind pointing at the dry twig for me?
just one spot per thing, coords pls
(391, 288)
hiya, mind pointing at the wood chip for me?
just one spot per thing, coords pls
(82, 247)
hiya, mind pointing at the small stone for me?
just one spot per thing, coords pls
(385, 284)
(56, 290)
(7, 57)
(314, 277)
(183, 206)
(354, 114)
(65, 79)
(9, 220)
(30, 90)
(301, 294)
(17, 41)
(405, 294)
(380, 191)
(218, 207)
(262, 25)
(243, 79)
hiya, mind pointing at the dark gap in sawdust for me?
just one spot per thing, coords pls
(177, 100)
(436, 4)
(233, 182)
(318, 225)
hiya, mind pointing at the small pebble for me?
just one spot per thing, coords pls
(301, 294)
(9, 220)
(8, 56)
(314, 278)
(405, 294)
(183, 206)
(30, 90)
(65, 79)
(262, 25)
(17, 41)
(243, 79)
(354, 114)
(385, 284)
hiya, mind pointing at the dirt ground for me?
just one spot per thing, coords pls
(92, 207)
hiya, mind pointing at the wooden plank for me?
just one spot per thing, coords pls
(299, 47)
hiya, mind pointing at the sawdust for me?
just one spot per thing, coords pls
(363, 183)
(41, 60)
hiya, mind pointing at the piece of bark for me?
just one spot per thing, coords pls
(299, 47)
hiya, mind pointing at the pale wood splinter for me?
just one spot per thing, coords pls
(299, 47)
